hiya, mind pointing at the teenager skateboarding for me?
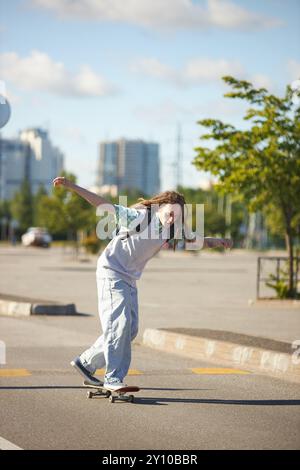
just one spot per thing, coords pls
(120, 265)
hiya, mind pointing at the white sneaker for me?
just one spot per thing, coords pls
(114, 386)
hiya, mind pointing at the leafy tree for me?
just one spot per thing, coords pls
(22, 206)
(49, 213)
(5, 210)
(64, 212)
(36, 201)
(215, 220)
(239, 213)
(214, 223)
(5, 214)
(260, 165)
(132, 195)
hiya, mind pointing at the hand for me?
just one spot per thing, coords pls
(61, 181)
(226, 243)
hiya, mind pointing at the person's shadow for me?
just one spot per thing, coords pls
(213, 401)
(138, 400)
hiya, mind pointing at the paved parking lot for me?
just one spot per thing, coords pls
(183, 403)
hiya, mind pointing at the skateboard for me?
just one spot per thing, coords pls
(112, 395)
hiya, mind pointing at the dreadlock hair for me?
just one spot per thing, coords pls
(166, 197)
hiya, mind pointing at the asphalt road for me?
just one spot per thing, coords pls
(46, 407)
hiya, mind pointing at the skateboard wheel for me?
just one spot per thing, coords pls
(89, 394)
(111, 399)
(107, 393)
(131, 398)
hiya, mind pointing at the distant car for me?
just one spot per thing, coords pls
(37, 236)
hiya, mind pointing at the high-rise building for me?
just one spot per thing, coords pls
(46, 160)
(14, 166)
(31, 157)
(129, 164)
(108, 164)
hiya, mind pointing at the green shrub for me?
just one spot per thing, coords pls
(280, 284)
(92, 244)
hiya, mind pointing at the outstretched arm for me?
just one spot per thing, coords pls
(210, 242)
(92, 198)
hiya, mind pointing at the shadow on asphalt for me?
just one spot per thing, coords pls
(81, 387)
(80, 314)
(166, 401)
(45, 387)
(206, 401)
(179, 389)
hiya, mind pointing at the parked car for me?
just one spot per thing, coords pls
(37, 236)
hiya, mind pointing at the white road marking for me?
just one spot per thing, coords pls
(6, 445)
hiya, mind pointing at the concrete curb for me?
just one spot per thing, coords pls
(285, 366)
(18, 308)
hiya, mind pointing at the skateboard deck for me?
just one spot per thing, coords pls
(112, 395)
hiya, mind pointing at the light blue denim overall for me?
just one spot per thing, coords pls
(118, 268)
